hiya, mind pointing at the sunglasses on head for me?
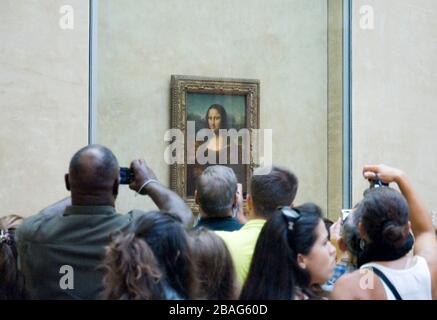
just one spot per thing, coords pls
(290, 215)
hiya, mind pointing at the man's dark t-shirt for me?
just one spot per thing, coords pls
(61, 255)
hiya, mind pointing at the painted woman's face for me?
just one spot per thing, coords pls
(214, 120)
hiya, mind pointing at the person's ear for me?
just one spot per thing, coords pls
(67, 181)
(115, 187)
(301, 261)
(234, 201)
(250, 211)
(196, 197)
(362, 231)
(249, 201)
(342, 245)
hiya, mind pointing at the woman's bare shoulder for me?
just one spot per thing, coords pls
(362, 284)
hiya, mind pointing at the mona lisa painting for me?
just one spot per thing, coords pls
(216, 116)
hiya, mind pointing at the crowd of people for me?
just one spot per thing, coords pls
(81, 248)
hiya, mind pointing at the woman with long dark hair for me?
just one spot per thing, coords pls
(292, 257)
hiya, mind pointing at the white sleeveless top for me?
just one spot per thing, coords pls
(413, 283)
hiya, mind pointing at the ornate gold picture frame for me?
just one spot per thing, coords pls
(235, 103)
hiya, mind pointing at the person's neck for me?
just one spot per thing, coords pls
(252, 215)
(203, 215)
(400, 263)
(92, 200)
(384, 252)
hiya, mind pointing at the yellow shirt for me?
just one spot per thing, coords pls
(241, 245)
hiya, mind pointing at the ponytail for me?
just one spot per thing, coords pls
(131, 270)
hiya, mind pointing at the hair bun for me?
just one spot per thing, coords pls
(394, 234)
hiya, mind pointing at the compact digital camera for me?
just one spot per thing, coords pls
(126, 175)
(377, 183)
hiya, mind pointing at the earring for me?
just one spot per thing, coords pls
(362, 244)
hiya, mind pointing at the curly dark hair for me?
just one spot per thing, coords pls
(132, 271)
(152, 255)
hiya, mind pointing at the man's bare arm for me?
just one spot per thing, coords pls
(165, 199)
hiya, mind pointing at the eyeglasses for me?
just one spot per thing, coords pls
(290, 215)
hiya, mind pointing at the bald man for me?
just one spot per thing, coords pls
(61, 249)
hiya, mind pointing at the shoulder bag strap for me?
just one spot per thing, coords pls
(390, 285)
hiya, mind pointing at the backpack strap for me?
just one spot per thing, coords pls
(390, 285)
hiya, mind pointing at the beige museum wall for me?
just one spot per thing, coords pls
(44, 86)
(43, 100)
(394, 98)
(282, 43)
(335, 108)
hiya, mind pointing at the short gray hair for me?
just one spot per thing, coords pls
(216, 187)
(350, 233)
